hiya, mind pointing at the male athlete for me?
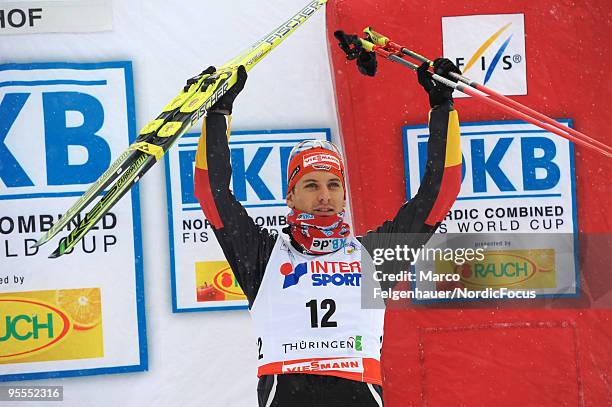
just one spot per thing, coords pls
(316, 345)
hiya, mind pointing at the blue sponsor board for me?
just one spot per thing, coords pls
(516, 179)
(259, 166)
(61, 125)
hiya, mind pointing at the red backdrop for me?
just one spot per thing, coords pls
(486, 357)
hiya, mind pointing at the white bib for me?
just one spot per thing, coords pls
(308, 315)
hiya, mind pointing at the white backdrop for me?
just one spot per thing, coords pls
(204, 358)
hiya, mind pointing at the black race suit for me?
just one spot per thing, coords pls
(247, 247)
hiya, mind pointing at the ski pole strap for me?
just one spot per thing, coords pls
(350, 44)
(380, 44)
(353, 46)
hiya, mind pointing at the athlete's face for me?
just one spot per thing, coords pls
(317, 193)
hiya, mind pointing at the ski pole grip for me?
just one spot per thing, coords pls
(367, 45)
(375, 37)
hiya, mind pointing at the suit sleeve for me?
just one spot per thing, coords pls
(246, 246)
(442, 180)
(421, 215)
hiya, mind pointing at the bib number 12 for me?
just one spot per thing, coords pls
(327, 304)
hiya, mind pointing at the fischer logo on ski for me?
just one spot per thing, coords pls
(283, 30)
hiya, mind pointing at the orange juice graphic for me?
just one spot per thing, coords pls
(39, 326)
(215, 281)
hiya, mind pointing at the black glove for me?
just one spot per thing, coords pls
(438, 93)
(366, 63)
(350, 44)
(224, 105)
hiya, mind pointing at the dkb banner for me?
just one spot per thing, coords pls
(61, 124)
(201, 277)
(515, 47)
(517, 201)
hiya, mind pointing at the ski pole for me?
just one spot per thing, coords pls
(383, 41)
(369, 46)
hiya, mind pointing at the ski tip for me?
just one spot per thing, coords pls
(39, 243)
(61, 249)
(55, 254)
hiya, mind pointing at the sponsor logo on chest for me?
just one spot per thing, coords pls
(322, 273)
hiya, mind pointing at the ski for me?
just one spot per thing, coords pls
(156, 138)
(142, 163)
(105, 179)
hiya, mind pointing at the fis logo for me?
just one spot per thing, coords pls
(489, 49)
(499, 54)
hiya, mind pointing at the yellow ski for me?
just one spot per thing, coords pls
(177, 117)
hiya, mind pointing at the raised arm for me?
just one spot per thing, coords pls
(418, 218)
(246, 246)
(442, 180)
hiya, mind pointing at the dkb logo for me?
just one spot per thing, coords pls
(258, 159)
(499, 159)
(61, 124)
